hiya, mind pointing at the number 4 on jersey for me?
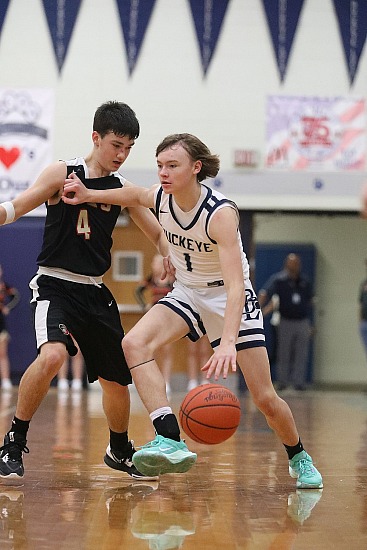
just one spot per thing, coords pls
(83, 227)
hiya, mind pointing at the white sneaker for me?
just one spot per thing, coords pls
(76, 385)
(62, 384)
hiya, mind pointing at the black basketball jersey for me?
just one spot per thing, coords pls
(78, 238)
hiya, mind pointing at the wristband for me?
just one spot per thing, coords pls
(10, 211)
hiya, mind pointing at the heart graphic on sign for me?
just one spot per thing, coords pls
(9, 156)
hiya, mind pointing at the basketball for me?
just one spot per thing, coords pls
(210, 414)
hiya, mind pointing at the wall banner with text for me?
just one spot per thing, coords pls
(61, 16)
(134, 17)
(3, 9)
(282, 17)
(314, 133)
(26, 131)
(352, 20)
(208, 16)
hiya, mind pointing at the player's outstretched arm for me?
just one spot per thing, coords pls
(149, 225)
(75, 192)
(47, 185)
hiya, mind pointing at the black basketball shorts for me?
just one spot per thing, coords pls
(90, 315)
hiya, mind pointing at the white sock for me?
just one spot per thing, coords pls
(160, 412)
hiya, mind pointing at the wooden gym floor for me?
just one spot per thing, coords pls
(238, 496)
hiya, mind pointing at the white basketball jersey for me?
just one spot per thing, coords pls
(193, 252)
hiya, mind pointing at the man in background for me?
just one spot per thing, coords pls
(291, 292)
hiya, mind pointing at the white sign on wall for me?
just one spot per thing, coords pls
(26, 125)
(313, 133)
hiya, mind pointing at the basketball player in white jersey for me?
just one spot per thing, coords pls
(212, 294)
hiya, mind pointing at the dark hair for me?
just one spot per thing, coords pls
(196, 149)
(118, 118)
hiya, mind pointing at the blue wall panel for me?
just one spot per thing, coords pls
(20, 243)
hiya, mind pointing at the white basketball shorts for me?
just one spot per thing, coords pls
(203, 310)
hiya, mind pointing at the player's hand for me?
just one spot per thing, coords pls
(74, 191)
(222, 361)
(169, 272)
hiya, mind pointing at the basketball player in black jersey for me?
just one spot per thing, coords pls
(69, 299)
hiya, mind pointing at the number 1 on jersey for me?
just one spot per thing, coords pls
(188, 262)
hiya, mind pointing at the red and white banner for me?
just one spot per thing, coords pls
(311, 133)
(26, 128)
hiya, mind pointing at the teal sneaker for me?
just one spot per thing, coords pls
(301, 467)
(163, 456)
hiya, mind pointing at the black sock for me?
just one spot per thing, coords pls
(20, 426)
(118, 441)
(293, 450)
(167, 426)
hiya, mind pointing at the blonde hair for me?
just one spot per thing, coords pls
(196, 149)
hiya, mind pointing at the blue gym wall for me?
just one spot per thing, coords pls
(20, 243)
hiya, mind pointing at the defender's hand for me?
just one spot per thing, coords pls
(74, 191)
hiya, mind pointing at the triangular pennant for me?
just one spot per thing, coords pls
(134, 17)
(282, 17)
(208, 16)
(3, 9)
(352, 19)
(61, 16)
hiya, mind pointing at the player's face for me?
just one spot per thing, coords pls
(112, 149)
(176, 169)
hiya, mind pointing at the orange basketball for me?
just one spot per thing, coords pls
(210, 414)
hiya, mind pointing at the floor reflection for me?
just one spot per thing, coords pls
(301, 504)
(120, 502)
(12, 522)
(153, 514)
(238, 496)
